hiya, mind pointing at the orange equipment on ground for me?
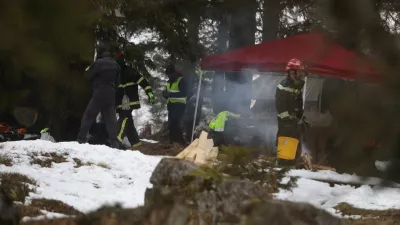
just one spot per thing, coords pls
(146, 130)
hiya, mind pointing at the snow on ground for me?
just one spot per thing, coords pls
(126, 176)
(322, 195)
(47, 215)
(124, 179)
(149, 141)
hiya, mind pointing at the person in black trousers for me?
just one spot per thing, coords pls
(104, 74)
(128, 100)
(176, 95)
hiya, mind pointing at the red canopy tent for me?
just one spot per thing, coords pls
(322, 56)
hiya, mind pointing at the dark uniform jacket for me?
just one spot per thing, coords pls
(130, 80)
(104, 74)
(289, 106)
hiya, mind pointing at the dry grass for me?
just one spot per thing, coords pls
(161, 149)
(29, 211)
(63, 221)
(384, 216)
(103, 165)
(49, 205)
(5, 160)
(55, 206)
(80, 163)
(47, 159)
(18, 186)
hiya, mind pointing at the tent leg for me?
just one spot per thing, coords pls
(197, 104)
(320, 97)
(304, 92)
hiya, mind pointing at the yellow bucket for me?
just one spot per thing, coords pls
(287, 148)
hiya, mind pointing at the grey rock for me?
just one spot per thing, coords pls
(198, 201)
(173, 172)
(277, 212)
(206, 203)
(8, 212)
(234, 194)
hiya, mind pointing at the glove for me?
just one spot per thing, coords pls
(152, 100)
(304, 122)
(299, 113)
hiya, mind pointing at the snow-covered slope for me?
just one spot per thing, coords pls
(369, 196)
(108, 175)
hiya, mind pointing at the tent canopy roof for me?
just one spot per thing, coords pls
(321, 56)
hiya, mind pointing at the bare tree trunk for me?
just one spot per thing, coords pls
(272, 11)
(218, 83)
(194, 52)
(242, 33)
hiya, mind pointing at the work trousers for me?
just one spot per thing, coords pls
(126, 127)
(188, 128)
(175, 116)
(99, 104)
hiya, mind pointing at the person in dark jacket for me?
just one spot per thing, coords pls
(128, 100)
(176, 95)
(289, 105)
(104, 74)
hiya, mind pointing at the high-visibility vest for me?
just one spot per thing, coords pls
(218, 123)
(173, 88)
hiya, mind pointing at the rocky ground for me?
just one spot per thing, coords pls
(186, 194)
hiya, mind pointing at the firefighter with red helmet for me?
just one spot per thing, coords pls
(289, 106)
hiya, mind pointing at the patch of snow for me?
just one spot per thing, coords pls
(149, 141)
(382, 165)
(322, 195)
(352, 217)
(333, 176)
(27, 136)
(124, 179)
(47, 215)
(46, 136)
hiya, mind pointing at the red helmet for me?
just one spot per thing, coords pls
(294, 64)
(119, 55)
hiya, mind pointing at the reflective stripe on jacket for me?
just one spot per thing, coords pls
(289, 99)
(175, 95)
(130, 81)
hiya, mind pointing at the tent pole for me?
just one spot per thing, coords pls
(304, 92)
(320, 97)
(197, 104)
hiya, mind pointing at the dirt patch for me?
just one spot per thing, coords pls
(18, 186)
(49, 205)
(47, 159)
(165, 149)
(28, 211)
(5, 160)
(372, 222)
(79, 163)
(63, 221)
(367, 214)
(55, 206)
(103, 165)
